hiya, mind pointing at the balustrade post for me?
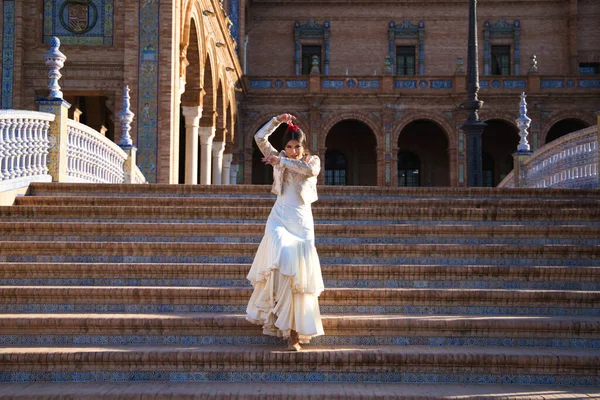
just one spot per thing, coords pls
(598, 143)
(55, 104)
(523, 149)
(126, 117)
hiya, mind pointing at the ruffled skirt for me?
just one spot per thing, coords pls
(286, 276)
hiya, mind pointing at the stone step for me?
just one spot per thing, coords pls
(290, 390)
(364, 192)
(351, 329)
(419, 364)
(187, 298)
(239, 214)
(335, 275)
(20, 229)
(327, 202)
(382, 252)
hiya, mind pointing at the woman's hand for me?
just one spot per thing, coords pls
(286, 118)
(271, 160)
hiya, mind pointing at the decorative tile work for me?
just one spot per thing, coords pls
(441, 84)
(552, 84)
(333, 84)
(338, 283)
(400, 84)
(245, 376)
(261, 84)
(588, 83)
(327, 340)
(325, 309)
(8, 53)
(147, 108)
(296, 84)
(81, 23)
(234, 16)
(515, 84)
(368, 84)
(484, 84)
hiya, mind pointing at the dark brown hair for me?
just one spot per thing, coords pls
(297, 135)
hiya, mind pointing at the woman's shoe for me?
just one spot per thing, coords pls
(294, 342)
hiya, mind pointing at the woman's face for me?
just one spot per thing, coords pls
(294, 150)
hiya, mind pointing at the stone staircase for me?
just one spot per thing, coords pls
(139, 291)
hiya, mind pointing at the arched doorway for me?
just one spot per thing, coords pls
(564, 127)
(409, 169)
(262, 174)
(498, 143)
(423, 155)
(351, 152)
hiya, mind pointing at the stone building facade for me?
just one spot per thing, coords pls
(177, 57)
(378, 86)
(386, 105)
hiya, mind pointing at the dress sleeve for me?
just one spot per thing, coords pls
(262, 137)
(312, 167)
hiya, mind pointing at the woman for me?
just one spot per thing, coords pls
(286, 274)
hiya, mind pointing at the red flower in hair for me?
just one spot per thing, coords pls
(292, 127)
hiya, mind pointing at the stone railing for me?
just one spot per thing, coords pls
(24, 145)
(568, 162)
(91, 157)
(47, 146)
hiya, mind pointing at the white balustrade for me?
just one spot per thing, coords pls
(138, 177)
(23, 143)
(568, 162)
(91, 157)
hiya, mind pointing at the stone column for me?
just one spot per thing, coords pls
(207, 134)
(226, 178)
(217, 162)
(192, 120)
(233, 174)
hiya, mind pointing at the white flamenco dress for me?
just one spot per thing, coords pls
(286, 273)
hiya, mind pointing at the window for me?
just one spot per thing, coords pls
(408, 169)
(405, 60)
(589, 68)
(335, 168)
(501, 60)
(308, 52)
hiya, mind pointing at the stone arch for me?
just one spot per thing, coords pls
(499, 140)
(191, 65)
(373, 124)
(411, 116)
(586, 118)
(356, 142)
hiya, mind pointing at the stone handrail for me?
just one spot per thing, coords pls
(23, 144)
(568, 162)
(138, 176)
(91, 157)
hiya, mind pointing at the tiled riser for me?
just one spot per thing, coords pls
(425, 377)
(325, 309)
(359, 283)
(324, 260)
(318, 240)
(122, 340)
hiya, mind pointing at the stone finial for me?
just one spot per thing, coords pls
(533, 64)
(55, 60)
(523, 123)
(126, 117)
(315, 65)
(460, 68)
